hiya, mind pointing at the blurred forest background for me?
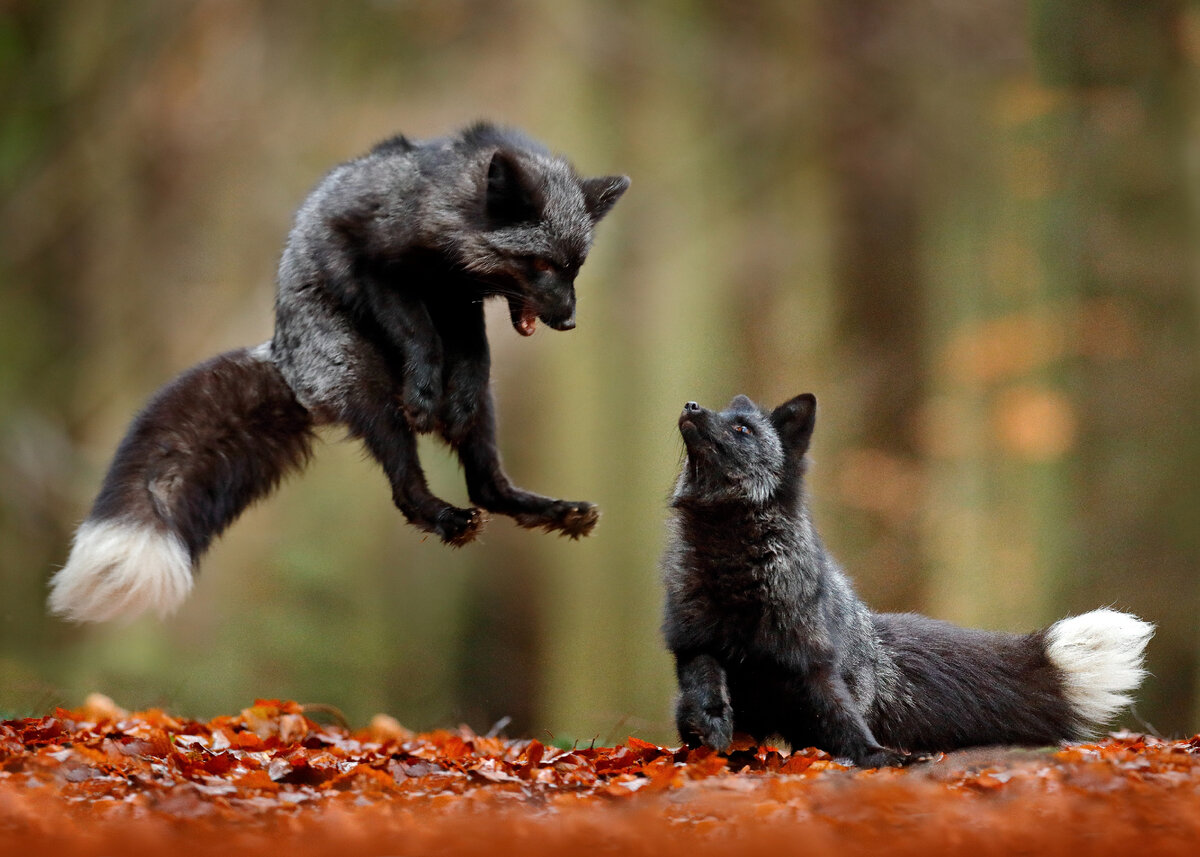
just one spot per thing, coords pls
(969, 228)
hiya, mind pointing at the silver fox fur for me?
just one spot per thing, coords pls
(770, 639)
(379, 327)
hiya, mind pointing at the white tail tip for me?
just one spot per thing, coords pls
(119, 570)
(1100, 654)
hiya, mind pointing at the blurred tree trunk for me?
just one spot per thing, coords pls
(873, 153)
(39, 348)
(1125, 236)
(997, 424)
(725, 294)
(603, 658)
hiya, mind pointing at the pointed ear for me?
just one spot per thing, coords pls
(511, 193)
(794, 420)
(742, 403)
(601, 194)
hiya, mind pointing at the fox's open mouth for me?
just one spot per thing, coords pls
(527, 323)
(526, 313)
(524, 316)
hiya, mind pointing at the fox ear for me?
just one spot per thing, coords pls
(794, 420)
(511, 193)
(601, 194)
(742, 403)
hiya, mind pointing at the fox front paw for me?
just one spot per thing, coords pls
(573, 519)
(707, 725)
(717, 732)
(457, 527)
(707, 729)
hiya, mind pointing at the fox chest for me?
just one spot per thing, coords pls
(746, 619)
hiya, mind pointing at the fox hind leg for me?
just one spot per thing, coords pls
(841, 728)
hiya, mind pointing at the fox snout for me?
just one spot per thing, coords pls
(556, 311)
(691, 412)
(555, 301)
(561, 317)
(692, 423)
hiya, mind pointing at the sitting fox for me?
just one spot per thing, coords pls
(379, 327)
(770, 639)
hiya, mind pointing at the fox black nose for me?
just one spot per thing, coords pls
(562, 318)
(691, 407)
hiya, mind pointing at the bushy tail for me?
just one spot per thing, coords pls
(214, 440)
(943, 687)
(1100, 657)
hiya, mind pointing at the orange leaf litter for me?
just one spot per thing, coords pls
(102, 781)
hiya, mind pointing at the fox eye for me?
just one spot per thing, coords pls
(542, 266)
(741, 429)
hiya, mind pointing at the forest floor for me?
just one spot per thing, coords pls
(102, 781)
